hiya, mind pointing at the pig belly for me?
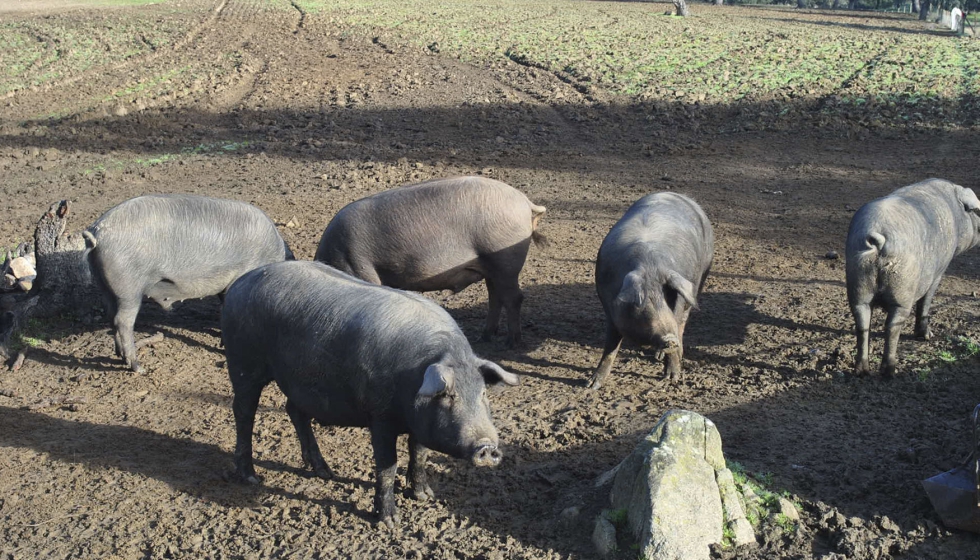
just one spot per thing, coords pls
(166, 291)
(325, 409)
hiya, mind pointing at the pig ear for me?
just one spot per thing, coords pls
(438, 379)
(493, 374)
(683, 287)
(632, 292)
(969, 200)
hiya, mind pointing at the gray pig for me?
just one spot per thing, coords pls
(443, 234)
(898, 248)
(651, 267)
(171, 248)
(349, 353)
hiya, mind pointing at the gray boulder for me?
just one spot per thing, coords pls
(676, 491)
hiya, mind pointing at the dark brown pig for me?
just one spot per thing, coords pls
(650, 269)
(443, 234)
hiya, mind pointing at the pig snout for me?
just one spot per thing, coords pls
(670, 341)
(487, 454)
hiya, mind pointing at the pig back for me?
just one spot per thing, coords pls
(420, 231)
(186, 238)
(316, 326)
(662, 230)
(912, 234)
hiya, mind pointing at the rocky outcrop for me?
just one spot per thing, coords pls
(677, 494)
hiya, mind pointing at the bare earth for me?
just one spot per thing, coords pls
(308, 115)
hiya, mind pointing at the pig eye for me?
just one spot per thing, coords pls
(447, 399)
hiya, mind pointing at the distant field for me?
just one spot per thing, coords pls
(879, 69)
(908, 70)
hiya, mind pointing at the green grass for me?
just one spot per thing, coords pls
(768, 505)
(725, 56)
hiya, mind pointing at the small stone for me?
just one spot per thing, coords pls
(889, 525)
(21, 267)
(569, 514)
(832, 255)
(787, 508)
(26, 283)
(855, 522)
(293, 222)
(604, 537)
(9, 280)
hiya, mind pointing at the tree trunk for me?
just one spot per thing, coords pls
(836, 5)
(915, 6)
(801, 4)
(924, 9)
(719, 2)
(681, 6)
(63, 284)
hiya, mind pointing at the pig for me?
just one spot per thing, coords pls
(443, 234)
(898, 248)
(349, 353)
(649, 272)
(171, 248)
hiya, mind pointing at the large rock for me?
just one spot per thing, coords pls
(676, 491)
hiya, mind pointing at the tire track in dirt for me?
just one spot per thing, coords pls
(128, 63)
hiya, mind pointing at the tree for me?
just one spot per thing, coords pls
(681, 6)
(719, 2)
(924, 9)
(915, 6)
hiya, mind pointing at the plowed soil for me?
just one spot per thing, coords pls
(299, 115)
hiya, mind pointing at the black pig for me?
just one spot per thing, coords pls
(651, 267)
(443, 234)
(898, 248)
(171, 248)
(349, 353)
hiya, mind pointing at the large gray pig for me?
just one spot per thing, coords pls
(443, 234)
(171, 248)
(349, 353)
(651, 267)
(898, 248)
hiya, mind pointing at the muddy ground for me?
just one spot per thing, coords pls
(309, 115)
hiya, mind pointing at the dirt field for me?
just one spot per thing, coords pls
(300, 113)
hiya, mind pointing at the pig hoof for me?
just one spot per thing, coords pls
(323, 472)
(241, 478)
(390, 521)
(862, 370)
(888, 371)
(927, 335)
(423, 493)
(594, 384)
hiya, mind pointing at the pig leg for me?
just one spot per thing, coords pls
(613, 342)
(862, 326)
(493, 317)
(244, 405)
(511, 297)
(673, 356)
(125, 320)
(922, 306)
(383, 440)
(893, 329)
(416, 470)
(307, 441)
